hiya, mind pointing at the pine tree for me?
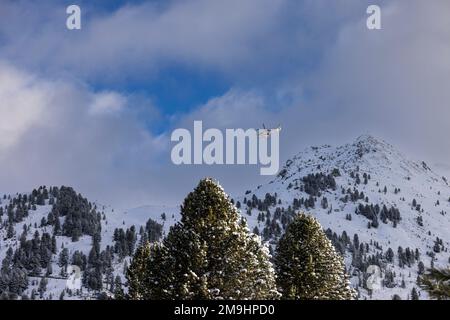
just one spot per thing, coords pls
(10, 231)
(118, 291)
(307, 264)
(33, 294)
(414, 294)
(209, 254)
(421, 268)
(42, 287)
(63, 259)
(437, 283)
(144, 281)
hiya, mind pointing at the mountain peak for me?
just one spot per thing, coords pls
(365, 190)
(366, 153)
(367, 138)
(366, 143)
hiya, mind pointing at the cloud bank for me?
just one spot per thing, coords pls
(311, 66)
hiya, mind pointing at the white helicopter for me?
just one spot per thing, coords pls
(264, 132)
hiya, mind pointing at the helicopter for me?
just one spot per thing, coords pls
(264, 132)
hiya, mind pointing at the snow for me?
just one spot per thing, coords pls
(389, 168)
(382, 161)
(137, 217)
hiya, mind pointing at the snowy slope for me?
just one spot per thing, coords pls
(386, 167)
(110, 221)
(139, 215)
(368, 165)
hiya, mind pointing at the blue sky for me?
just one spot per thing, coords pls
(94, 108)
(177, 88)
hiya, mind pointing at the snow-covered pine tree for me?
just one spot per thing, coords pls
(146, 276)
(307, 264)
(414, 294)
(209, 254)
(118, 291)
(437, 283)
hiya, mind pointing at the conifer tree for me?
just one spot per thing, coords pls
(414, 294)
(145, 280)
(307, 264)
(118, 291)
(10, 231)
(437, 283)
(42, 287)
(209, 254)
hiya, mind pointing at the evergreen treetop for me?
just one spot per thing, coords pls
(209, 254)
(307, 264)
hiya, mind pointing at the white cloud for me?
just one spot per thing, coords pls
(391, 82)
(138, 39)
(107, 103)
(23, 99)
(58, 133)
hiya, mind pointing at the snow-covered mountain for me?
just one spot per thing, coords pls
(378, 207)
(34, 247)
(366, 188)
